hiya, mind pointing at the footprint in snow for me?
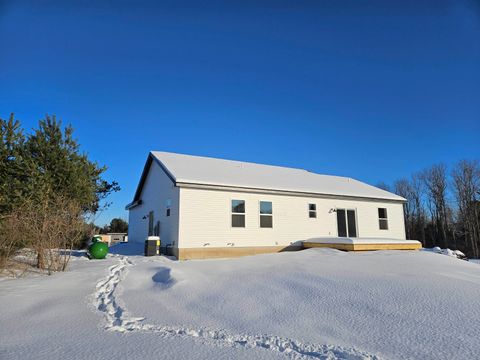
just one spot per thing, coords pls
(118, 319)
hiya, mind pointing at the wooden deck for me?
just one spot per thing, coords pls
(363, 244)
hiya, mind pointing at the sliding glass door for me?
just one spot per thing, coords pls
(347, 223)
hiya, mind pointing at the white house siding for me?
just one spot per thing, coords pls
(205, 219)
(157, 189)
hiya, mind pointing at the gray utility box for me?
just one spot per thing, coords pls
(152, 246)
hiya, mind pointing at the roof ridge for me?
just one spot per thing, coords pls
(236, 161)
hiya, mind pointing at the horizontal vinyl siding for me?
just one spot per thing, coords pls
(205, 218)
(156, 190)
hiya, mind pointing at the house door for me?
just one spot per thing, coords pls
(347, 223)
(150, 223)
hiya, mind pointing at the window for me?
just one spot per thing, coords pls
(238, 213)
(168, 205)
(352, 223)
(382, 219)
(266, 214)
(312, 210)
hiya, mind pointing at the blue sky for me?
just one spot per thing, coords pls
(374, 90)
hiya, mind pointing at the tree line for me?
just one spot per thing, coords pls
(48, 190)
(443, 206)
(117, 225)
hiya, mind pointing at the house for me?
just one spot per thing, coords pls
(205, 207)
(114, 238)
(117, 237)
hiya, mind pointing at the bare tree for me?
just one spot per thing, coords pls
(412, 190)
(420, 218)
(435, 181)
(50, 227)
(466, 184)
(384, 186)
(402, 187)
(10, 240)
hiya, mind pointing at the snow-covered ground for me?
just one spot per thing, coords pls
(317, 303)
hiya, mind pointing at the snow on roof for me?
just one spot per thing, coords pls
(219, 172)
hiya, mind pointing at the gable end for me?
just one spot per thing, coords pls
(136, 199)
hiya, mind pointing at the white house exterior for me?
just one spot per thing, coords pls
(205, 207)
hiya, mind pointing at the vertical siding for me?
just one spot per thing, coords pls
(205, 219)
(156, 190)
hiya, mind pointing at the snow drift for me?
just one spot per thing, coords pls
(317, 303)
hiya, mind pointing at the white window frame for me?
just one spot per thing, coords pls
(260, 214)
(312, 211)
(380, 219)
(237, 213)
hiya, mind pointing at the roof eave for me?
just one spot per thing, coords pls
(283, 192)
(133, 204)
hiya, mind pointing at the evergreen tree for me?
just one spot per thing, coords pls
(62, 169)
(118, 225)
(47, 186)
(15, 166)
